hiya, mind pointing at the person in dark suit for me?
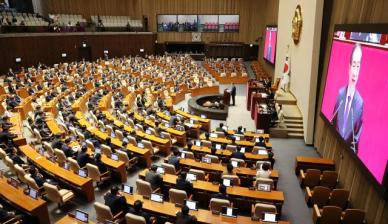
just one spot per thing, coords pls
(222, 193)
(101, 166)
(183, 184)
(348, 110)
(67, 149)
(233, 94)
(174, 159)
(138, 210)
(183, 217)
(154, 178)
(261, 142)
(39, 179)
(238, 154)
(16, 158)
(83, 157)
(229, 170)
(115, 201)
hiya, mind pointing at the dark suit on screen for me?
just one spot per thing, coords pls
(350, 130)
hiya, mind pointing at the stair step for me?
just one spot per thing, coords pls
(295, 135)
(294, 125)
(293, 117)
(295, 130)
(293, 121)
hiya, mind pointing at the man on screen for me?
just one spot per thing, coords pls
(347, 116)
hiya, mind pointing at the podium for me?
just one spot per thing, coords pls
(226, 97)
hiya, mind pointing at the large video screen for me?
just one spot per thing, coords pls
(198, 23)
(355, 98)
(270, 44)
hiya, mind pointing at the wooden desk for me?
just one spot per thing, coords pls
(53, 125)
(303, 163)
(25, 107)
(17, 129)
(178, 97)
(227, 153)
(79, 184)
(205, 90)
(35, 207)
(105, 102)
(70, 220)
(204, 216)
(205, 123)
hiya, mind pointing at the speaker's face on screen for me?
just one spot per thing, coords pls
(355, 66)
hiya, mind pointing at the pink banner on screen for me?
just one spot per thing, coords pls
(373, 87)
(270, 45)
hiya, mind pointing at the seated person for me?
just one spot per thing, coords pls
(261, 142)
(183, 217)
(39, 179)
(264, 171)
(16, 158)
(238, 154)
(154, 178)
(137, 210)
(240, 130)
(57, 143)
(115, 201)
(220, 128)
(67, 149)
(222, 193)
(101, 166)
(183, 184)
(83, 157)
(229, 170)
(7, 215)
(174, 159)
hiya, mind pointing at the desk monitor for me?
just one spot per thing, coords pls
(192, 205)
(127, 189)
(140, 145)
(262, 152)
(114, 156)
(192, 121)
(264, 187)
(81, 216)
(259, 131)
(14, 182)
(225, 128)
(242, 149)
(83, 172)
(198, 143)
(206, 160)
(227, 182)
(167, 125)
(41, 151)
(237, 138)
(183, 155)
(148, 131)
(203, 116)
(218, 146)
(257, 140)
(234, 163)
(243, 130)
(157, 197)
(228, 211)
(269, 217)
(97, 150)
(32, 193)
(213, 135)
(191, 177)
(160, 170)
(66, 165)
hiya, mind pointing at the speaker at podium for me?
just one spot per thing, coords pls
(226, 98)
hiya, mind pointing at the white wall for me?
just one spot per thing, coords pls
(304, 56)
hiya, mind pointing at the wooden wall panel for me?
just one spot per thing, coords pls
(47, 48)
(363, 194)
(252, 13)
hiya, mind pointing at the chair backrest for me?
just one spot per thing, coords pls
(3, 154)
(134, 219)
(339, 197)
(9, 163)
(169, 168)
(143, 188)
(260, 163)
(123, 157)
(213, 158)
(256, 149)
(261, 208)
(234, 178)
(329, 179)
(80, 135)
(206, 143)
(31, 182)
(148, 145)
(52, 193)
(189, 155)
(132, 140)
(109, 130)
(220, 134)
(320, 196)
(177, 196)
(48, 148)
(261, 180)
(331, 215)
(130, 122)
(90, 144)
(241, 162)
(61, 157)
(312, 178)
(93, 172)
(103, 212)
(106, 150)
(165, 135)
(353, 216)
(37, 135)
(119, 135)
(20, 173)
(231, 148)
(73, 164)
(216, 204)
(200, 174)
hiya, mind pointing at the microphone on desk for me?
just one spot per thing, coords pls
(336, 111)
